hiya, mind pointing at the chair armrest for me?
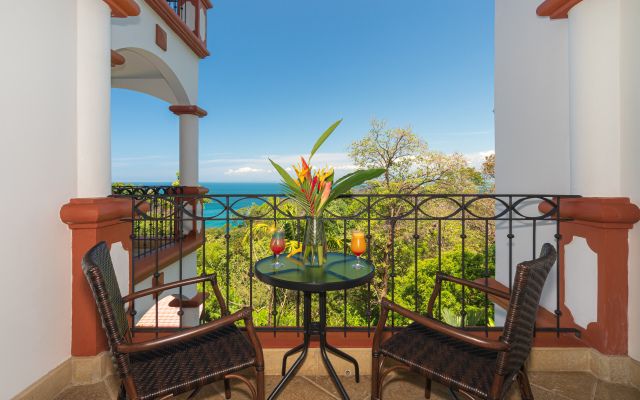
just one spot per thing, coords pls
(489, 290)
(211, 278)
(153, 344)
(443, 328)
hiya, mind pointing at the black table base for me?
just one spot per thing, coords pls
(320, 329)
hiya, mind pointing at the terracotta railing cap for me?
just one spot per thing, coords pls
(603, 210)
(94, 210)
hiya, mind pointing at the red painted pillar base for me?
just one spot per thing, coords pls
(604, 223)
(92, 220)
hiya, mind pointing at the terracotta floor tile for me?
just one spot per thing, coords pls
(573, 385)
(610, 391)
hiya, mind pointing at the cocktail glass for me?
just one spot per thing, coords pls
(358, 246)
(277, 246)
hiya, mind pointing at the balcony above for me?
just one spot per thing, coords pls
(188, 19)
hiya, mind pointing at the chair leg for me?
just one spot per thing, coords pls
(122, 393)
(427, 389)
(260, 383)
(227, 388)
(374, 377)
(523, 382)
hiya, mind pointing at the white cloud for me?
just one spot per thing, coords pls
(345, 168)
(260, 169)
(476, 159)
(247, 170)
(228, 161)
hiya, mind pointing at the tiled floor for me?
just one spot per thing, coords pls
(400, 386)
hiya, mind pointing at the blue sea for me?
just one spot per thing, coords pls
(227, 188)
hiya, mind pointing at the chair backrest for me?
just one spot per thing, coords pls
(523, 307)
(98, 269)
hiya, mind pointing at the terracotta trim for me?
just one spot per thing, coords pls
(146, 266)
(362, 340)
(609, 334)
(161, 38)
(123, 8)
(94, 210)
(193, 110)
(556, 9)
(195, 190)
(207, 4)
(609, 212)
(604, 223)
(169, 16)
(116, 59)
(88, 338)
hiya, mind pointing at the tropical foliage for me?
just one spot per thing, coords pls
(406, 251)
(313, 191)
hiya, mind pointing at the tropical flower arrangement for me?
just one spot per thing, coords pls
(313, 190)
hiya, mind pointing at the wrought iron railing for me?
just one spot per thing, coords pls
(180, 8)
(409, 238)
(148, 235)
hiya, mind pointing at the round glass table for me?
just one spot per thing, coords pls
(336, 274)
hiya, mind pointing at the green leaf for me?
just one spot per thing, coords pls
(354, 179)
(324, 137)
(343, 178)
(286, 177)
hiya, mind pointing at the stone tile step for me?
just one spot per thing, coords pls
(399, 385)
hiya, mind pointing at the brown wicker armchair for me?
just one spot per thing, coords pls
(184, 361)
(466, 363)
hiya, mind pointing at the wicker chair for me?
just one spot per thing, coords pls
(180, 362)
(463, 362)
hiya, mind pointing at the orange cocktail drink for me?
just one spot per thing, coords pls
(358, 246)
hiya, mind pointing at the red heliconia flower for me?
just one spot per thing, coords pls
(326, 190)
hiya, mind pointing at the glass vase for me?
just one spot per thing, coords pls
(314, 246)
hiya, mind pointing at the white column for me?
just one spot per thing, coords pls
(94, 99)
(189, 128)
(594, 87)
(630, 148)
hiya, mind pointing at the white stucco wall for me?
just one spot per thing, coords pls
(581, 269)
(38, 157)
(532, 124)
(178, 65)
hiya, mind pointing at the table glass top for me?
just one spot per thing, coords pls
(335, 274)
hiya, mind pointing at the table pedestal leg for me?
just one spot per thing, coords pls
(304, 346)
(287, 354)
(324, 345)
(315, 328)
(347, 357)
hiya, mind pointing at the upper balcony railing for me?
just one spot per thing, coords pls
(409, 238)
(161, 232)
(180, 8)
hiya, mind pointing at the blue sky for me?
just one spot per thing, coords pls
(282, 71)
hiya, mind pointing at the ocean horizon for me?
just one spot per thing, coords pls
(215, 209)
